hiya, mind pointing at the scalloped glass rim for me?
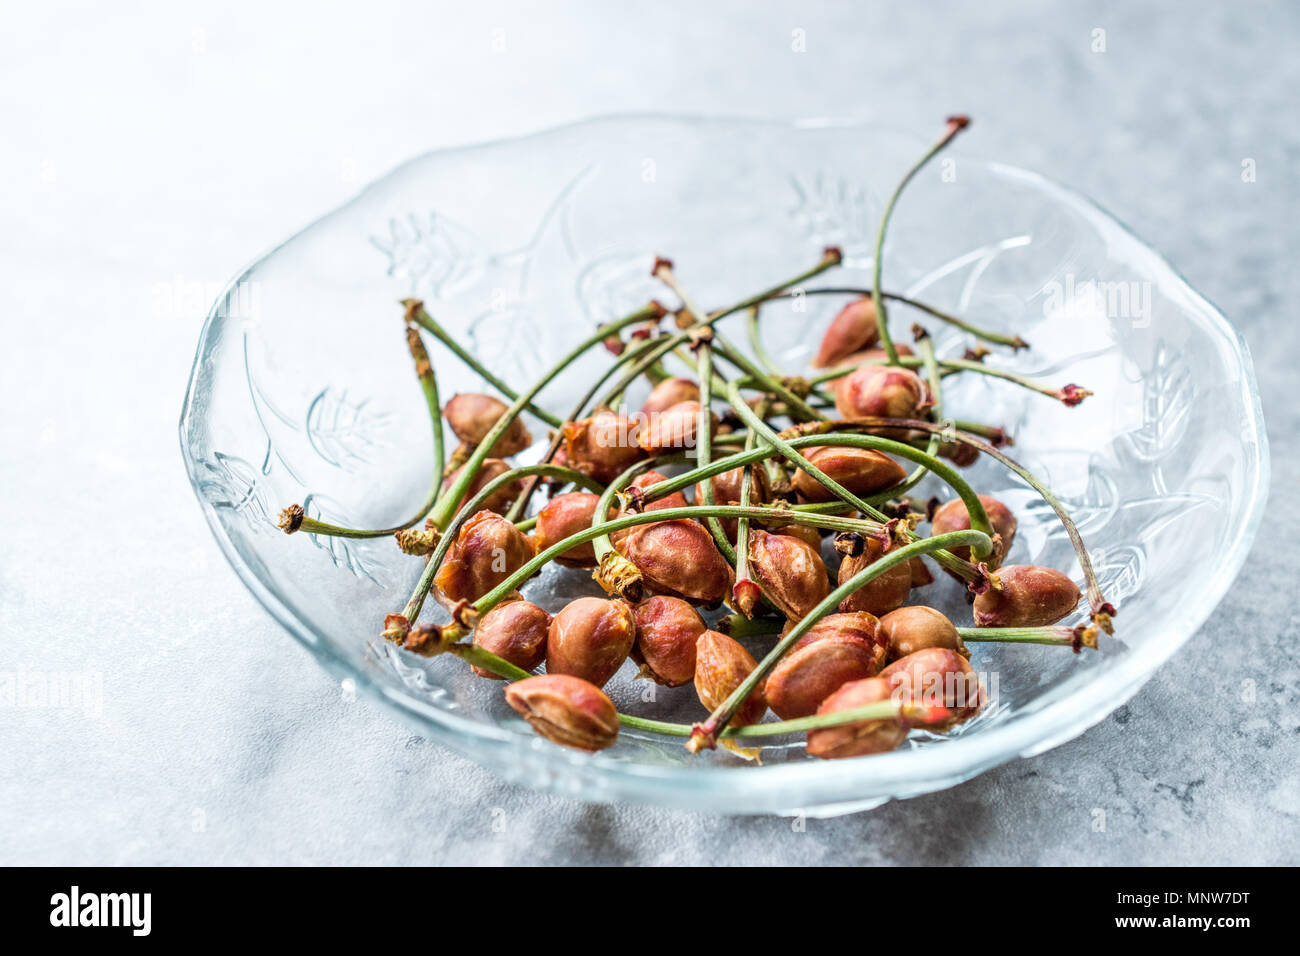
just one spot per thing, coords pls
(819, 788)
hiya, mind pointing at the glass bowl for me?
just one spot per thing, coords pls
(302, 391)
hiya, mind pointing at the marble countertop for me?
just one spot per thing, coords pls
(148, 156)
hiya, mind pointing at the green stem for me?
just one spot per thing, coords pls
(704, 442)
(830, 258)
(767, 383)
(664, 271)
(926, 347)
(955, 125)
(477, 656)
(705, 734)
(756, 343)
(601, 544)
(448, 502)
(604, 546)
(429, 385)
(881, 710)
(1102, 610)
(993, 433)
(416, 312)
(1056, 634)
(520, 504)
(1069, 395)
(743, 578)
(979, 520)
(785, 516)
(966, 365)
(471, 508)
(1014, 342)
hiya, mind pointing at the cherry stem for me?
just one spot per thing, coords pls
(602, 529)
(756, 343)
(292, 521)
(1075, 637)
(955, 125)
(925, 345)
(557, 439)
(1060, 394)
(412, 610)
(994, 433)
(967, 571)
(706, 734)
(1013, 342)
(704, 440)
(448, 502)
(793, 403)
(830, 258)
(881, 710)
(1068, 395)
(745, 586)
(664, 271)
(1102, 610)
(979, 520)
(416, 312)
(477, 656)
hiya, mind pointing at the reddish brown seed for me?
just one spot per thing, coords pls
(726, 491)
(953, 516)
(880, 391)
(640, 483)
(602, 446)
(563, 516)
(857, 624)
(959, 453)
(515, 632)
(1030, 596)
(651, 478)
(882, 593)
(666, 631)
(853, 328)
(668, 393)
(675, 428)
(937, 675)
(566, 710)
(721, 664)
(921, 575)
(726, 487)
(501, 499)
(679, 558)
(804, 678)
(471, 416)
(790, 572)
(869, 357)
(805, 533)
(859, 739)
(912, 629)
(487, 550)
(590, 638)
(860, 470)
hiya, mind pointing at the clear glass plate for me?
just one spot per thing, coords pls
(302, 391)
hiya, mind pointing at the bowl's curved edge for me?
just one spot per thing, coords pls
(1084, 708)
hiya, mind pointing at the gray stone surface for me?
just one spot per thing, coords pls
(147, 157)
